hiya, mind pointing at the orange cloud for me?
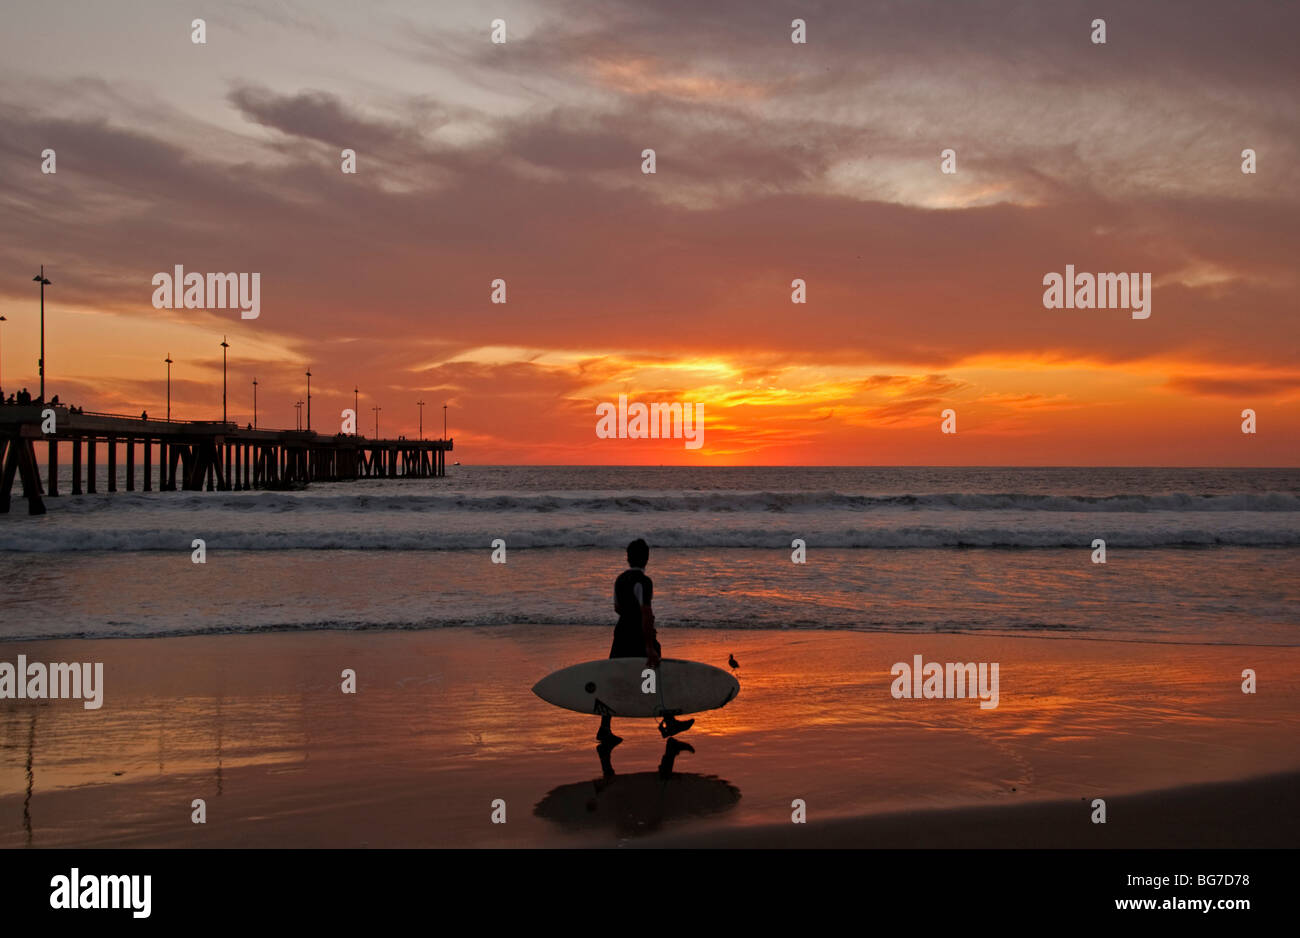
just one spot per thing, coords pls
(647, 76)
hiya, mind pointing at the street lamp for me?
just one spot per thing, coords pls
(298, 407)
(168, 360)
(420, 404)
(254, 403)
(40, 278)
(376, 410)
(224, 345)
(356, 408)
(2, 384)
(308, 398)
(444, 423)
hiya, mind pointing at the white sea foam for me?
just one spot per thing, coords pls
(822, 532)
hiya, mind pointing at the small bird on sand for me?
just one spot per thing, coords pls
(731, 660)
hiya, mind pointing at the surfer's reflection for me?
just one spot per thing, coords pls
(641, 802)
(672, 750)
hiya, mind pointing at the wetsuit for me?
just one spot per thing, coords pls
(632, 590)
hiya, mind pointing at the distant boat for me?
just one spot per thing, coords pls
(455, 464)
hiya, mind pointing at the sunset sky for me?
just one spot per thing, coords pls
(776, 161)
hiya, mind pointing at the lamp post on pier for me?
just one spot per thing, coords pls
(356, 409)
(168, 360)
(254, 403)
(420, 404)
(41, 279)
(308, 399)
(224, 345)
(376, 410)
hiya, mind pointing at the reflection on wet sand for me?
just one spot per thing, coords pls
(445, 718)
(640, 803)
(31, 779)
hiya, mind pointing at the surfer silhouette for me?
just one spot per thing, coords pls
(634, 635)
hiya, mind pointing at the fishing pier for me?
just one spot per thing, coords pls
(192, 455)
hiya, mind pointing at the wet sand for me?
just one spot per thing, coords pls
(1257, 812)
(444, 723)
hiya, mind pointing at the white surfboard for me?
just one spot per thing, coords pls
(614, 686)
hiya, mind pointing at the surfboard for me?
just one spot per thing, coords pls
(614, 686)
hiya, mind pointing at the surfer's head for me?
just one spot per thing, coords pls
(638, 553)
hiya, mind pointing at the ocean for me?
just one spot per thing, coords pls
(1192, 555)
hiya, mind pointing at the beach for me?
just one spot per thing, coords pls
(222, 695)
(443, 724)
